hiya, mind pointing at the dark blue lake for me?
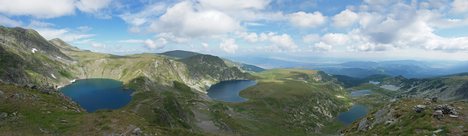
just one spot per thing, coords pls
(357, 111)
(228, 91)
(97, 94)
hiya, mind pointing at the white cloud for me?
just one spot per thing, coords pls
(131, 41)
(37, 8)
(229, 46)
(155, 44)
(311, 38)
(234, 5)
(402, 26)
(84, 28)
(51, 8)
(205, 45)
(64, 34)
(39, 24)
(241, 10)
(345, 18)
(321, 46)
(92, 6)
(249, 37)
(144, 16)
(284, 42)
(183, 20)
(307, 20)
(49, 31)
(335, 39)
(460, 6)
(9, 22)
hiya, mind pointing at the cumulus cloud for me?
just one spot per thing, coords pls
(335, 39)
(229, 46)
(249, 37)
(50, 8)
(460, 6)
(155, 44)
(307, 20)
(345, 18)
(400, 26)
(234, 5)
(311, 38)
(321, 46)
(282, 42)
(37, 8)
(183, 20)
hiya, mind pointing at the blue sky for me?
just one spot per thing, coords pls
(354, 29)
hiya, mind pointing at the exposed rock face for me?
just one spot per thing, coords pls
(445, 88)
(363, 125)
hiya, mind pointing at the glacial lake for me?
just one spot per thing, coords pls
(228, 91)
(98, 94)
(360, 93)
(357, 111)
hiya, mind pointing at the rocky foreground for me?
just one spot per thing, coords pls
(414, 117)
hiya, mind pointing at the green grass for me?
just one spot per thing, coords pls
(283, 104)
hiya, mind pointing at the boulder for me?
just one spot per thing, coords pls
(137, 131)
(438, 114)
(3, 115)
(419, 108)
(434, 99)
(446, 109)
(438, 131)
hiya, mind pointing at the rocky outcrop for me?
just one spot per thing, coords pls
(413, 117)
(446, 88)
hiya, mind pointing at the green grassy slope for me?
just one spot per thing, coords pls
(284, 102)
(28, 59)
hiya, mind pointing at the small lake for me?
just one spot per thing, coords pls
(357, 111)
(98, 94)
(360, 93)
(228, 91)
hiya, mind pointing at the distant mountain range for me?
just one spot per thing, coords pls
(361, 69)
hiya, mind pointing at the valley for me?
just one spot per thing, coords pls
(170, 96)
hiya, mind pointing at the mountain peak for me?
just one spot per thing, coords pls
(180, 54)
